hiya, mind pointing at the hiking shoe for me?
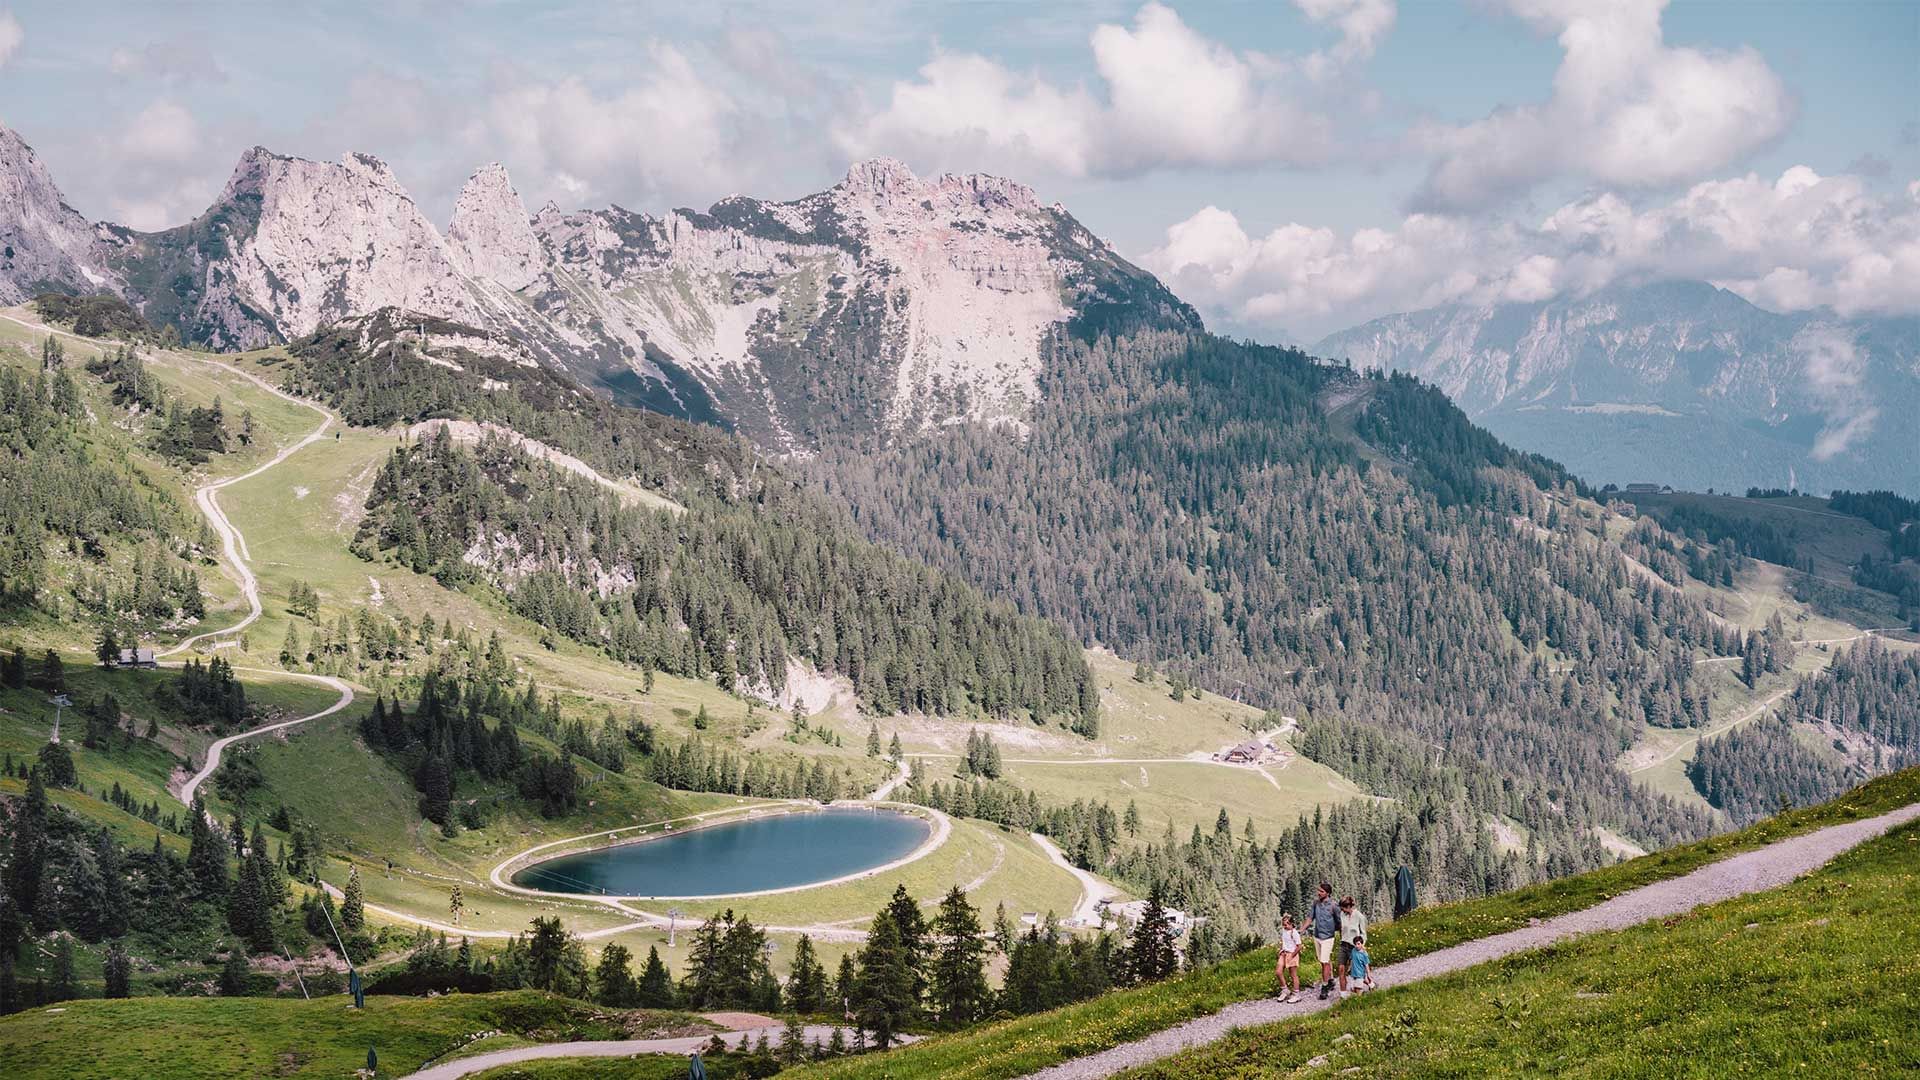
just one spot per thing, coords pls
(1323, 992)
(1293, 997)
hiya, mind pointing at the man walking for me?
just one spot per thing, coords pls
(1325, 923)
(1353, 927)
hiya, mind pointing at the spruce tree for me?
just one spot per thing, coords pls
(63, 988)
(1152, 952)
(846, 981)
(958, 982)
(656, 984)
(905, 912)
(613, 979)
(53, 673)
(806, 979)
(353, 907)
(206, 852)
(233, 974)
(884, 994)
(118, 969)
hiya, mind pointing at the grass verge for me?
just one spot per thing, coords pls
(192, 1038)
(1817, 978)
(1016, 1047)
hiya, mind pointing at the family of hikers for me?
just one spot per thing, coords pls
(1339, 933)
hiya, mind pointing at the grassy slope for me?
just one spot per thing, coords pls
(1820, 977)
(298, 519)
(253, 1037)
(1016, 1047)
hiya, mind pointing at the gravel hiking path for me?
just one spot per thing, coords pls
(233, 545)
(614, 1049)
(1092, 889)
(1738, 875)
(220, 745)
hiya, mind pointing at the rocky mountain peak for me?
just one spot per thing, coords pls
(1630, 381)
(883, 305)
(881, 176)
(491, 235)
(985, 190)
(44, 243)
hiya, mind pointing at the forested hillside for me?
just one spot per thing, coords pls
(750, 583)
(1335, 546)
(129, 553)
(376, 370)
(1864, 708)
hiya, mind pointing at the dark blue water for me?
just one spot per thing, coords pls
(773, 852)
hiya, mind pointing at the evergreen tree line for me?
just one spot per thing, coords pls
(1869, 695)
(65, 879)
(206, 695)
(1184, 500)
(1761, 769)
(697, 765)
(727, 592)
(185, 434)
(60, 489)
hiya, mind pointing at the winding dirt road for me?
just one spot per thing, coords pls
(233, 548)
(1092, 889)
(232, 544)
(219, 746)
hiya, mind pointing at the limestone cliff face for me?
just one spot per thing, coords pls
(44, 243)
(901, 301)
(491, 235)
(873, 309)
(334, 240)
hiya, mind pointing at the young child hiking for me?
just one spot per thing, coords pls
(1359, 969)
(1288, 962)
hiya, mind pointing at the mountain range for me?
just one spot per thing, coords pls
(1677, 383)
(886, 303)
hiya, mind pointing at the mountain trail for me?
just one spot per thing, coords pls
(1749, 872)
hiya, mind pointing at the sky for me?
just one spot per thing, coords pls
(1291, 168)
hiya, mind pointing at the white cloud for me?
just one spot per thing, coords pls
(1170, 98)
(672, 134)
(1836, 373)
(1798, 242)
(11, 35)
(162, 133)
(158, 158)
(1362, 23)
(1627, 110)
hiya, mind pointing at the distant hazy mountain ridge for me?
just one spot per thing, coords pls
(1677, 382)
(883, 304)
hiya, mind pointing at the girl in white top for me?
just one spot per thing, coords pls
(1289, 961)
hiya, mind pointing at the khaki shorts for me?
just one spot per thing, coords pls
(1289, 959)
(1323, 948)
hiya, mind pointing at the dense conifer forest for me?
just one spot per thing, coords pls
(135, 549)
(723, 591)
(1869, 698)
(1195, 502)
